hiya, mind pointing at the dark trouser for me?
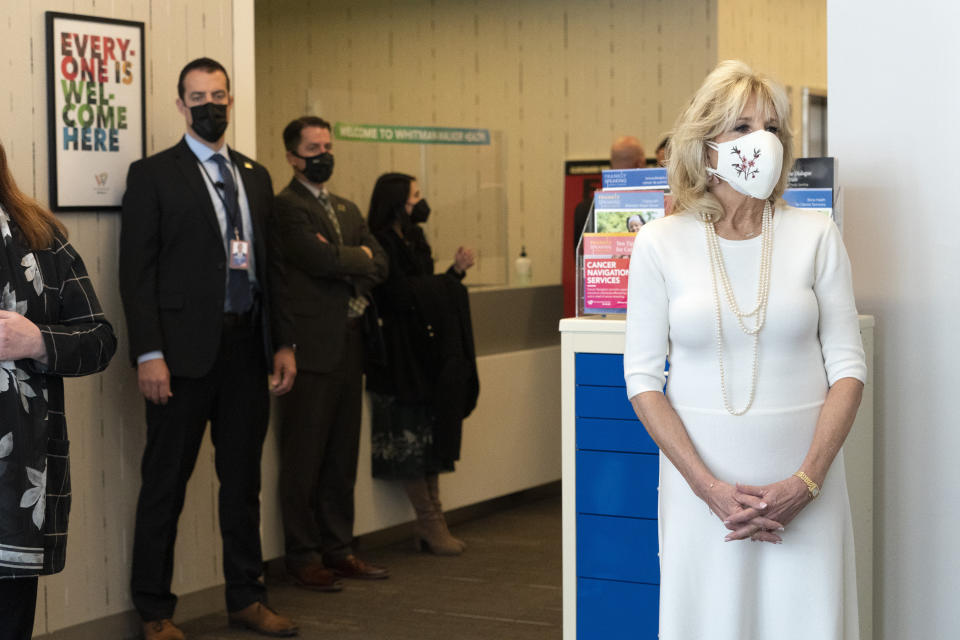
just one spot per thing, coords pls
(233, 397)
(319, 445)
(18, 603)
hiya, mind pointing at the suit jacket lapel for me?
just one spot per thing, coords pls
(251, 188)
(187, 162)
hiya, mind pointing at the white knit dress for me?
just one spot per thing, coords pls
(804, 588)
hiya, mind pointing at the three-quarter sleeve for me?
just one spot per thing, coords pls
(839, 326)
(647, 320)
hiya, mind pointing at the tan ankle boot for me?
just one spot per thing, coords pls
(433, 487)
(431, 531)
(162, 630)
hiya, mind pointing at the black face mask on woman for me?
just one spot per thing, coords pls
(209, 120)
(420, 213)
(318, 168)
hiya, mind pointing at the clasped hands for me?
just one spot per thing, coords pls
(757, 512)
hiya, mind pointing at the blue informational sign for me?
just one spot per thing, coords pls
(635, 179)
(627, 200)
(809, 198)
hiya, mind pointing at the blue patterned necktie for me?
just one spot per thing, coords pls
(239, 299)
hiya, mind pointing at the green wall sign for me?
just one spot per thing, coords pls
(414, 135)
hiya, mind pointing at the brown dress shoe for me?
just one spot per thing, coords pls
(315, 577)
(354, 567)
(161, 630)
(264, 620)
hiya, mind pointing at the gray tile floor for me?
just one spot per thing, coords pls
(507, 585)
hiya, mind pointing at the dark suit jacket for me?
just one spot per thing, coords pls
(173, 264)
(321, 277)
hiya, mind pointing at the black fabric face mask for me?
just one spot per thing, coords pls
(209, 120)
(420, 213)
(319, 168)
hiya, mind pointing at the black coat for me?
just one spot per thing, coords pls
(428, 336)
(52, 289)
(173, 264)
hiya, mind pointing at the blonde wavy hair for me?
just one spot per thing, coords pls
(713, 110)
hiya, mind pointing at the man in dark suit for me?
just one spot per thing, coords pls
(331, 261)
(195, 279)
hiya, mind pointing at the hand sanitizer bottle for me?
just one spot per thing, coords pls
(523, 268)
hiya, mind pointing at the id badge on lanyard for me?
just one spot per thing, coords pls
(239, 253)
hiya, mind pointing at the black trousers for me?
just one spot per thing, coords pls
(233, 397)
(18, 604)
(319, 445)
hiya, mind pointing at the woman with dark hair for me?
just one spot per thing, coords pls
(428, 382)
(51, 326)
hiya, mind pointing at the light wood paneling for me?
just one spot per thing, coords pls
(555, 79)
(787, 40)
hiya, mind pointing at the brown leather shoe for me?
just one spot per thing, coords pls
(264, 620)
(161, 630)
(315, 577)
(354, 567)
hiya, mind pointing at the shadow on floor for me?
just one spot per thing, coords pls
(507, 585)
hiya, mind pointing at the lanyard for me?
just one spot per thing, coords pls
(231, 217)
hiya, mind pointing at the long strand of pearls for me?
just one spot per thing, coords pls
(759, 312)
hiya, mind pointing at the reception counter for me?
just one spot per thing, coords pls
(610, 471)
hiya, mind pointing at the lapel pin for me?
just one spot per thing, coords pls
(247, 165)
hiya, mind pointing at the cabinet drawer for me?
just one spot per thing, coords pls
(618, 548)
(608, 610)
(603, 402)
(614, 435)
(617, 484)
(600, 369)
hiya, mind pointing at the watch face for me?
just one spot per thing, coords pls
(815, 492)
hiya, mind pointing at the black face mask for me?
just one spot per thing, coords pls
(420, 213)
(209, 120)
(319, 168)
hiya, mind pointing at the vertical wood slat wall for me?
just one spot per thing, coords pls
(561, 79)
(105, 414)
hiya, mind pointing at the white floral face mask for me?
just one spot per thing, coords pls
(751, 164)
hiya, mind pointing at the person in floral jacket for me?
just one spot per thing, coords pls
(51, 326)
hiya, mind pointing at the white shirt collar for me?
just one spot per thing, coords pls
(312, 188)
(203, 152)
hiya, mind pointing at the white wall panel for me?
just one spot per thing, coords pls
(892, 106)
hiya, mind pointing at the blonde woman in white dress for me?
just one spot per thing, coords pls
(753, 304)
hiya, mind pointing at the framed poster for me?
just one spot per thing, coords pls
(95, 109)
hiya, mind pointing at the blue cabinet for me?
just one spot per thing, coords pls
(617, 474)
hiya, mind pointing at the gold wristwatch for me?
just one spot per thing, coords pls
(812, 486)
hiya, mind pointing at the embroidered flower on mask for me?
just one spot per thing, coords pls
(744, 167)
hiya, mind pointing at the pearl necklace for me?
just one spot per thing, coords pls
(759, 311)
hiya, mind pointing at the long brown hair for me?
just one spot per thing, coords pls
(35, 221)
